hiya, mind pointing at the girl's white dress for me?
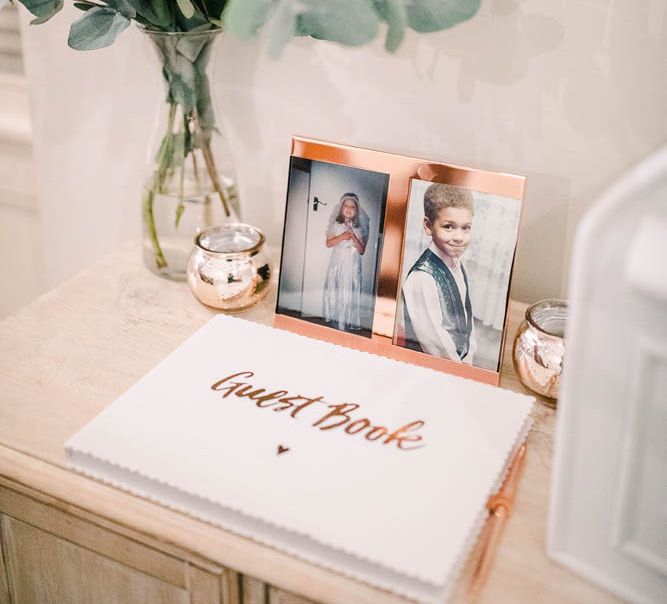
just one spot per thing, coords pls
(342, 284)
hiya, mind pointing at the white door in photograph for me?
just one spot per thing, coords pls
(317, 254)
(296, 228)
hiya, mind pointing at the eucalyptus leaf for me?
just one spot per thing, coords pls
(157, 14)
(434, 15)
(201, 6)
(178, 72)
(299, 29)
(197, 21)
(246, 17)
(190, 46)
(350, 22)
(395, 15)
(42, 9)
(187, 8)
(282, 27)
(141, 20)
(214, 8)
(182, 85)
(124, 7)
(84, 6)
(97, 28)
(205, 114)
(211, 10)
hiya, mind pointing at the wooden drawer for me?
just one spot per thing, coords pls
(53, 553)
(50, 556)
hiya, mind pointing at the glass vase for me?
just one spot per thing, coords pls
(191, 183)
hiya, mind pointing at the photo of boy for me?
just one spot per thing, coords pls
(435, 311)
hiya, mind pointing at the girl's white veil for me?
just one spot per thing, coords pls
(364, 221)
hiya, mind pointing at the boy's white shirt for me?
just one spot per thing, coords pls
(421, 295)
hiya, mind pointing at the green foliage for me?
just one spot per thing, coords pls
(43, 10)
(184, 60)
(158, 14)
(97, 28)
(84, 6)
(349, 22)
(187, 8)
(245, 19)
(395, 15)
(211, 9)
(282, 27)
(124, 7)
(433, 15)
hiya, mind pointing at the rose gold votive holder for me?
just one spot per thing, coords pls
(229, 267)
(539, 348)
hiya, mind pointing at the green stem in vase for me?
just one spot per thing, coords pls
(215, 179)
(184, 150)
(164, 159)
(207, 198)
(184, 61)
(165, 154)
(160, 260)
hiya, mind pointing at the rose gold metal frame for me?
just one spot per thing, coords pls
(401, 170)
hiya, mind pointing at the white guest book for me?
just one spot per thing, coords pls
(374, 468)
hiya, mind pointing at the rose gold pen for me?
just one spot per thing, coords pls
(499, 506)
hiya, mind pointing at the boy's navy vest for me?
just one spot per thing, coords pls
(450, 303)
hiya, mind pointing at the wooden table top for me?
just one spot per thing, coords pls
(74, 350)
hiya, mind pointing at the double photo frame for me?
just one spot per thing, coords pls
(402, 257)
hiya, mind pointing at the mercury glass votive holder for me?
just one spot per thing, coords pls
(539, 348)
(229, 267)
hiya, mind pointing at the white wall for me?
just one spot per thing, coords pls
(569, 93)
(92, 116)
(21, 266)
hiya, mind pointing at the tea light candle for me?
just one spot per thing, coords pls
(229, 267)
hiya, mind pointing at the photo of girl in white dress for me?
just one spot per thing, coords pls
(347, 235)
(334, 229)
